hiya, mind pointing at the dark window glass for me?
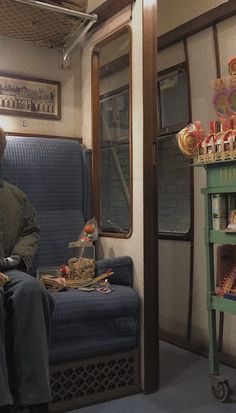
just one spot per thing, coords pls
(114, 117)
(115, 198)
(174, 171)
(173, 100)
(174, 182)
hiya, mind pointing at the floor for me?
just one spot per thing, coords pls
(184, 387)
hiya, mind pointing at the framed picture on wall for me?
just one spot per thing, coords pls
(26, 96)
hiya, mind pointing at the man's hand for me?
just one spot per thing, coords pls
(7, 263)
(3, 279)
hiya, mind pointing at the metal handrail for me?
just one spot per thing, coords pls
(59, 9)
(68, 49)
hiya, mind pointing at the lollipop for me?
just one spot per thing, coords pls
(232, 66)
(232, 96)
(220, 101)
(187, 143)
(190, 138)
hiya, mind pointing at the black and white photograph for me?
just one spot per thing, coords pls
(22, 96)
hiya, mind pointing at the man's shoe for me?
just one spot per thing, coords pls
(6, 409)
(18, 409)
(38, 408)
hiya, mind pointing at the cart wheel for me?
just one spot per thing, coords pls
(221, 391)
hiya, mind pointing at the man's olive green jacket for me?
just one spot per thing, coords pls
(19, 231)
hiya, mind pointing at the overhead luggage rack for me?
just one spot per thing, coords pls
(44, 24)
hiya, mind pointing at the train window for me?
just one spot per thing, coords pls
(173, 93)
(112, 135)
(174, 188)
(114, 161)
(174, 171)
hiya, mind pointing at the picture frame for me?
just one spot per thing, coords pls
(30, 97)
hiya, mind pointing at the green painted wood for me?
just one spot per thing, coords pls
(224, 304)
(221, 178)
(212, 334)
(217, 189)
(221, 174)
(222, 237)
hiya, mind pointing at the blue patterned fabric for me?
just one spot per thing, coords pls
(58, 228)
(56, 177)
(87, 324)
(100, 338)
(87, 158)
(122, 268)
(51, 173)
(74, 304)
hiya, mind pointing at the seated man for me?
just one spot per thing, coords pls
(25, 306)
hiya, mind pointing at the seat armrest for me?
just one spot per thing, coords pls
(122, 268)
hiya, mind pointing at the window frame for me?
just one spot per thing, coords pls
(172, 130)
(164, 73)
(96, 70)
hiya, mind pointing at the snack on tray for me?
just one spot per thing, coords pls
(56, 284)
(229, 144)
(210, 147)
(53, 283)
(219, 148)
(82, 269)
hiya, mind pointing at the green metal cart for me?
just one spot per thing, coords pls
(221, 179)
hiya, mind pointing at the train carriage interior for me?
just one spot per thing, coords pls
(120, 120)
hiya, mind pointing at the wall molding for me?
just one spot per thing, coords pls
(115, 66)
(202, 22)
(108, 9)
(42, 135)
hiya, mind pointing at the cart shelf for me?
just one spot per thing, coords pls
(223, 304)
(222, 237)
(217, 189)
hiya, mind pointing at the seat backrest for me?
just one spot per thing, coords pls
(54, 175)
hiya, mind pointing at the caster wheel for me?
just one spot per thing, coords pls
(222, 391)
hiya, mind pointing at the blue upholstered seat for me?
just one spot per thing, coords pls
(88, 324)
(51, 173)
(56, 176)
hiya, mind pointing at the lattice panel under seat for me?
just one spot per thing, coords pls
(94, 380)
(25, 22)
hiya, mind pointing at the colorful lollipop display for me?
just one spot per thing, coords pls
(190, 138)
(220, 143)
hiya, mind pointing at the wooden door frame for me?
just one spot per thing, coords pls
(150, 227)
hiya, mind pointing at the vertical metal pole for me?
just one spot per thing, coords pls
(213, 363)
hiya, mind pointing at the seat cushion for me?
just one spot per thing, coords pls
(86, 324)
